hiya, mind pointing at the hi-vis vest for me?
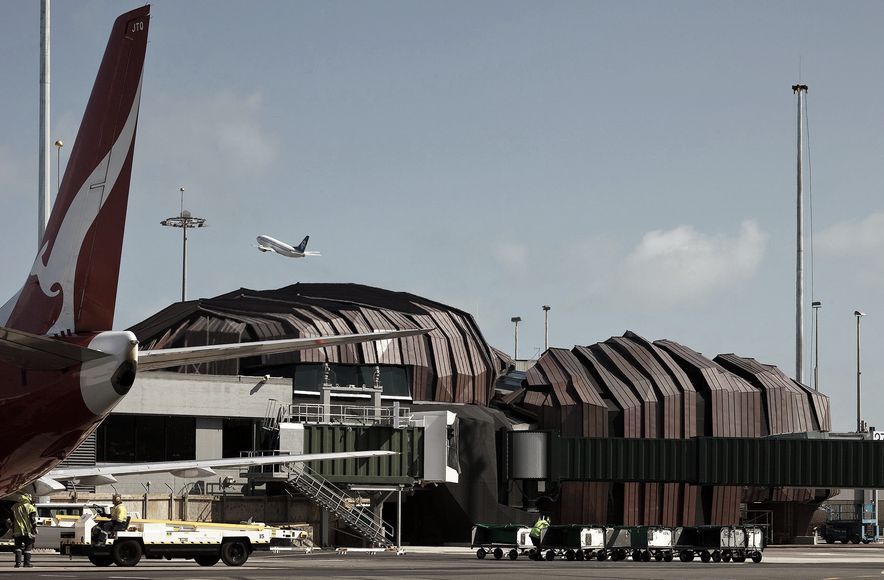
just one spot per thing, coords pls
(118, 513)
(21, 518)
(539, 525)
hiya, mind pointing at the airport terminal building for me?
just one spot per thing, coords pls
(458, 474)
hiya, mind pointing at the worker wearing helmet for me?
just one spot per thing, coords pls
(24, 529)
(118, 512)
(118, 521)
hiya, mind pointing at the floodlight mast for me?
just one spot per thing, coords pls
(801, 91)
(184, 221)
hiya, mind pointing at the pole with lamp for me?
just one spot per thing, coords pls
(859, 422)
(58, 145)
(184, 221)
(816, 304)
(516, 320)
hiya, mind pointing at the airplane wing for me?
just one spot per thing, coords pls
(196, 468)
(44, 353)
(173, 357)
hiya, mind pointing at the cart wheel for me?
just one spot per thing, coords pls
(756, 557)
(646, 556)
(498, 553)
(740, 557)
(569, 554)
(726, 556)
(550, 555)
(207, 560)
(683, 555)
(513, 554)
(234, 552)
(716, 556)
(667, 557)
(480, 553)
(101, 560)
(658, 556)
(866, 540)
(126, 553)
(690, 556)
(854, 540)
(636, 556)
(580, 555)
(705, 556)
(601, 556)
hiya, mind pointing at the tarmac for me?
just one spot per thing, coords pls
(825, 562)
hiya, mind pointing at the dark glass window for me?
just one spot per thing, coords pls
(143, 438)
(238, 435)
(395, 379)
(150, 438)
(116, 439)
(180, 438)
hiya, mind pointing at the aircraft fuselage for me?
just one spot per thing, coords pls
(48, 413)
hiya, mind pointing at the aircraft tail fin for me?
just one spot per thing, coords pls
(72, 286)
(303, 245)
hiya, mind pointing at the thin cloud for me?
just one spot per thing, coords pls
(682, 264)
(852, 237)
(512, 256)
(219, 134)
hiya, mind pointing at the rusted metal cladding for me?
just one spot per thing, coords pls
(453, 364)
(668, 391)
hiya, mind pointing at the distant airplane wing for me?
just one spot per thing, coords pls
(44, 353)
(173, 357)
(197, 468)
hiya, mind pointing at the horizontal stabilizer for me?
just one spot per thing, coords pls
(200, 467)
(43, 353)
(173, 357)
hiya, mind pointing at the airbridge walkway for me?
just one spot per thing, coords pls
(763, 462)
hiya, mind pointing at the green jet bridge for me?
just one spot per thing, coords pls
(765, 462)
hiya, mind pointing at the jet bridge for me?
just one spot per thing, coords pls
(763, 462)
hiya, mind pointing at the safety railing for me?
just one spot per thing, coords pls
(314, 413)
(352, 510)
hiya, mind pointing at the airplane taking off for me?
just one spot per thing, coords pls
(268, 244)
(62, 370)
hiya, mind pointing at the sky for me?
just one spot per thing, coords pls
(630, 164)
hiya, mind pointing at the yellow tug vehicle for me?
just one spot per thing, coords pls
(203, 542)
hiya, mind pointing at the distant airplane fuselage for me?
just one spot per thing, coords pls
(268, 244)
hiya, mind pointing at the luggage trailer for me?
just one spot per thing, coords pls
(571, 542)
(641, 543)
(719, 543)
(512, 539)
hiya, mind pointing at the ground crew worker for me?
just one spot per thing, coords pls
(24, 529)
(117, 521)
(541, 523)
(118, 512)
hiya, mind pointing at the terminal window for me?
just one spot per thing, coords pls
(394, 379)
(137, 438)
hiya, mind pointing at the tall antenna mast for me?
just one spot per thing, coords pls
(44, 169)
(801, 91)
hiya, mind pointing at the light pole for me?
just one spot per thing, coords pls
(545, 327)
(184, 221)
(516, 320)
(816, 343)
(58, 145)
(859, 422)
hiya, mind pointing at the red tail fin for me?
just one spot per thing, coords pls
(73, 283)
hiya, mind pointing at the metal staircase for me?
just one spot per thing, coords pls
(347, 508)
